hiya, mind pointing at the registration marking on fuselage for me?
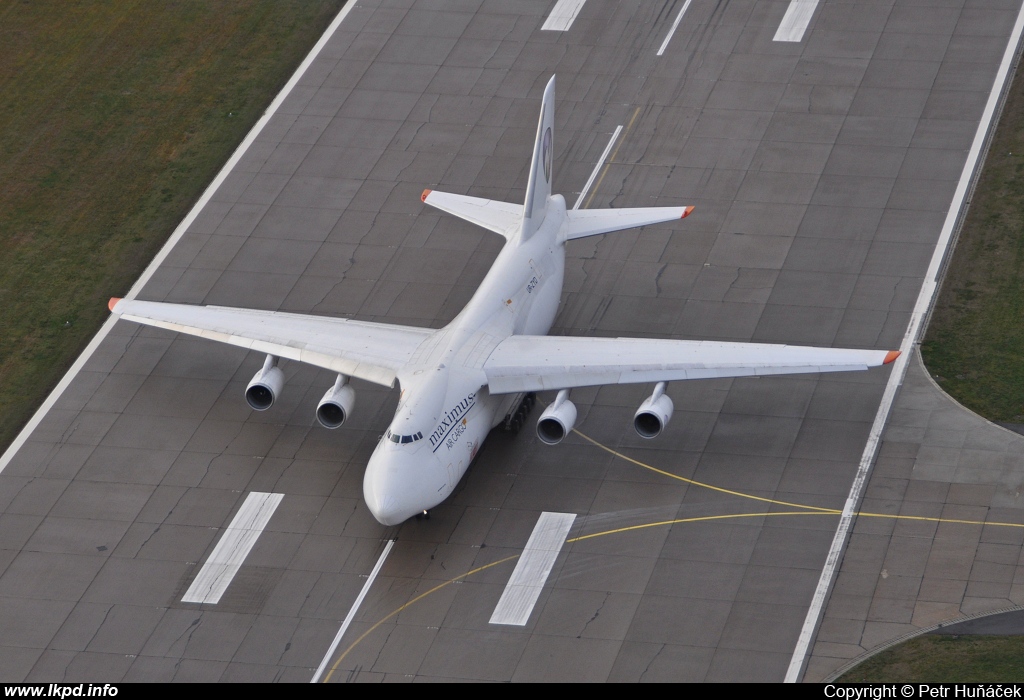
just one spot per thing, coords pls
(234, 546)
(563, 15)
(795, 21)
(532, 570)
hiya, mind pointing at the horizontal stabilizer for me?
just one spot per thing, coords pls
(500, 217)
(591, 222)
(538, 363)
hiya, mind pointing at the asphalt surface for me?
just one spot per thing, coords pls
(821, 171)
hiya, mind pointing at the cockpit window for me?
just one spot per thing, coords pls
(402, 439)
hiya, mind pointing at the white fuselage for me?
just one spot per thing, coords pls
(445, 410)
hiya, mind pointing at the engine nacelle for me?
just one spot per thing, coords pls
(557, 419)
(265, 386)
(336, 405)
(654, 413)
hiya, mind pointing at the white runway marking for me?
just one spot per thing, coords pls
(924, 301)
(597, 168)
(794, 23)
(675, 25)
(234, 546)
(352, 612)
(173, 240)
(532, 570)
(563, 15)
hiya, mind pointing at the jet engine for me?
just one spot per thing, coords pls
(654, 413)
(265, 386)
(557, 419)
(336, 405)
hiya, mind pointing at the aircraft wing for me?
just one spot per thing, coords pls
(370, 351)
(537, 363)
(500, 217)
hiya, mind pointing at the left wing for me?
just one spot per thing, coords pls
(537, 363)
(370, 351)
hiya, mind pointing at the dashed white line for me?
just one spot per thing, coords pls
(795, 21)
(532, 570)
(924, 300)
(234, 546)
(597, 168)
(352, 612)
(563, 15)
(675, 25)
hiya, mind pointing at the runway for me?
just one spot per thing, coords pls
(821, 165)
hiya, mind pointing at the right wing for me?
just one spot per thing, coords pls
(370, 351)
(538, 363)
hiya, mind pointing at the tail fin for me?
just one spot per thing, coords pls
(538, 189)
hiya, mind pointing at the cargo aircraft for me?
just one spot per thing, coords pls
(459, 382)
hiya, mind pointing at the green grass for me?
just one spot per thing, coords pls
(975, 342)
(945, 659)
(114, 116)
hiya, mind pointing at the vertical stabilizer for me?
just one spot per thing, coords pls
(538, 189)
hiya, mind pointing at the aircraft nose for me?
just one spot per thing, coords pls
(391, 489)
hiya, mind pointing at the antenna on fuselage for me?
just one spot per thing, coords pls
(538, 188)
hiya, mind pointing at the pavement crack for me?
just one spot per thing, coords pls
(178, 502)
(657, 279)
(597, 613)
(189, 631)
(151, 536)
(98, 628)
(651, 663)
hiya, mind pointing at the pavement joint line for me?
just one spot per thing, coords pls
(796, 20)
(563, 14)
(675, 25)
(352, 611)
(929, 287)
(179, 232)
(234, 546)
(532, 570)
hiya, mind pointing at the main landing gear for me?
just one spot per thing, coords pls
(516, 418)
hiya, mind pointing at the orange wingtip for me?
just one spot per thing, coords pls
(893, 354)
(113, 302)
(686, 212)
(426, 193)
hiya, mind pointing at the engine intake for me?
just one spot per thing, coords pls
(654, 413)
(336, 405)
(265, 386)
(557, 419)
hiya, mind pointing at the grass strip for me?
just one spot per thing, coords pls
(975, 342)
(939, 658)
(114, 116)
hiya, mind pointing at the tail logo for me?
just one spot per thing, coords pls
(546, 154)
